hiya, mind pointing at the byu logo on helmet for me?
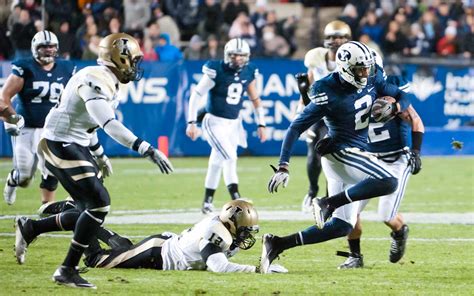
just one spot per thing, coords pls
(344, 55)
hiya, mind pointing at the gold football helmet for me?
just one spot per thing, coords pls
(122, 53)
(241, 219)
(336, 33)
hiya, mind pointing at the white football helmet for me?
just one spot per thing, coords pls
(237, 47)
(241, 219)
(355, 63)
(122, 53)
(39, 50)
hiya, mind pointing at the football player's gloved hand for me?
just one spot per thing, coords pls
(384, 109)
(105, 166)
(415, 161)
(157, 157)
(303, 87)
(281, 176)
(15, 125)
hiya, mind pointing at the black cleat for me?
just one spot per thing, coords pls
(55, 207)
(399, 242)
(352, 261)
(269, 252)
(24, 235)
(69, 276)
(321, 212)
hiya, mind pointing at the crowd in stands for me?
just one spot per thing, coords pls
(171, 30)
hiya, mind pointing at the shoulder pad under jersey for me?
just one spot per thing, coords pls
(101, 81)
(218, 234)
(315, 57)
(210, 69)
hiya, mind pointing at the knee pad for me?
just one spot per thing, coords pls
(98, 214)
(50, 183)
(67, 220)
(22, 180)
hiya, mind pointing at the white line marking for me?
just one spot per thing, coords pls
(190, 216)
(416, 239)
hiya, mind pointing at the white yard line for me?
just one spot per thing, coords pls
(417, 239)
(190, 216)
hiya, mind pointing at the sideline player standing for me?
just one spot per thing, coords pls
(225, 81)
(38, 83)
(88, 103)
(320, 61)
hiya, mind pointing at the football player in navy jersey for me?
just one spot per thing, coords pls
(389, 142)
(225, 83)
(37, 83)
(344, 99)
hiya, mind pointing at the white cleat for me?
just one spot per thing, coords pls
(9, 192)
(317, 214)
(307, 204)
(207, 208)
(20, 243)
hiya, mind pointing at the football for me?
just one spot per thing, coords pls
(384, 109)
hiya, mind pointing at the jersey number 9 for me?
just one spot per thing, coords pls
(234, 93)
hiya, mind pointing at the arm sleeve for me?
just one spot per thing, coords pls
(218, 262)
(202, 88)
(104, 115)
(310, 115)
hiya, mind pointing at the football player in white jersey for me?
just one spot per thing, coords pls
(205, 246)
(320, 62)
(88, 103)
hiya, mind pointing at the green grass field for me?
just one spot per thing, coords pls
(439, 259)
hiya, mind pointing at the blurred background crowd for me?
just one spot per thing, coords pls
(171, 30)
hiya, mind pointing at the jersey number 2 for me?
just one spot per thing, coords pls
(55, 90)
(362, 116)
(234, 93)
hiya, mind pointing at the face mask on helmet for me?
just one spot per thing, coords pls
(245, 236)
(44, 47)
(336, 33)
(237, 53)
(122, 53)
(241, 219)
(356, 64)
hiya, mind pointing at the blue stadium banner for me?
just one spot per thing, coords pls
(157, 106)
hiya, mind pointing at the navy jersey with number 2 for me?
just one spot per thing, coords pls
(345, 109)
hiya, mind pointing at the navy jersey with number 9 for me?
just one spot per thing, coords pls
(41, 90)
(225, 98)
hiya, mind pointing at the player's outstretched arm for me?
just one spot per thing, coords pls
(259, 111)
(103, 114)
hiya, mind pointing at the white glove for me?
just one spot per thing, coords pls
(276, 268)
(105, 166)
(17, 123)
(280, 177)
